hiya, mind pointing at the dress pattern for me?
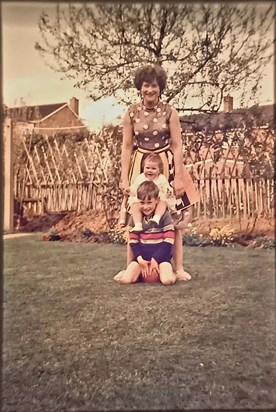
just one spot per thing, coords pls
(152, 135)
(151, 127)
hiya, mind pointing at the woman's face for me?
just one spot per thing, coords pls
(150, 92)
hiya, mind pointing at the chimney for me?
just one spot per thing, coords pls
(228, 103)
(74, 104)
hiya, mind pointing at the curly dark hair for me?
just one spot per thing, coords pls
(149, 73)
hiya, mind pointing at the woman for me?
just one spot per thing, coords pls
(153, 126)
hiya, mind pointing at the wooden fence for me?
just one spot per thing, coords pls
(219, 198)
(60, 197)
(235, 198)
(77, 173)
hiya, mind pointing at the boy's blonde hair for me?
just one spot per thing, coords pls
(155, 158)
(147, 190)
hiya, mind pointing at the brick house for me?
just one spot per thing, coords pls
(48, 118)
(224, 127)
(229, 118)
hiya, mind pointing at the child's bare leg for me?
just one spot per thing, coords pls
(167, 277)
(159, 211)
(178, 257)
(130, 275)
(137, 217)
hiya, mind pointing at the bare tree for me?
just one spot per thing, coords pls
(208, 50)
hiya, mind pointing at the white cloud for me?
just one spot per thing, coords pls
(102, 112)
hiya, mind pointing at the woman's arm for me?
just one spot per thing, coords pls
(176, 146)
(127, 147)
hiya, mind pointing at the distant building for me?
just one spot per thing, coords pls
(229, 118)
(226, 127)
(48, 118)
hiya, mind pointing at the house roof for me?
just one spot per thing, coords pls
(238, 118)
(33, 113)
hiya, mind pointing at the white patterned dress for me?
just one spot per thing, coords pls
(152, 135)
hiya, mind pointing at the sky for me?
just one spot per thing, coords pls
(26, 76)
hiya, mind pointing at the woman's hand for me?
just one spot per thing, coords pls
(124, 186)
(144, 266)
(154, 267)
(178, 187)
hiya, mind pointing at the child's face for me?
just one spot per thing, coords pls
(148, 206)
(151, 170)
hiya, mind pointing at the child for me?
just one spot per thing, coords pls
(152, 247)
(152, 171)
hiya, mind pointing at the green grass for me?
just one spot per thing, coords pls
(74, 340)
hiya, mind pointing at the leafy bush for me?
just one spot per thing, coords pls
(118, 236)
(264, 242)
(219, 237)
(53, 235)
(194, 239)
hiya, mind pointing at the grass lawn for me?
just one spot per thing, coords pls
(74, 340)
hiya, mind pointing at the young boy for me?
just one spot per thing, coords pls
(152, 247)
(152, 171)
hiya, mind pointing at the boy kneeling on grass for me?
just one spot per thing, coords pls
(152, 247)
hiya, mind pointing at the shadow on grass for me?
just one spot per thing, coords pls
(76, 340)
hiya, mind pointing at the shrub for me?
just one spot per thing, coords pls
(264, 242)
(118, 235)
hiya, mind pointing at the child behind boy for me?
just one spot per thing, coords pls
(152, 171)
(152, 247)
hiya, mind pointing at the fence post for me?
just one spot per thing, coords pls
(8, 177)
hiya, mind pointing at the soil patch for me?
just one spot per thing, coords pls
(73, 226)
(39, 223)
(92, 225)
(257, 227)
